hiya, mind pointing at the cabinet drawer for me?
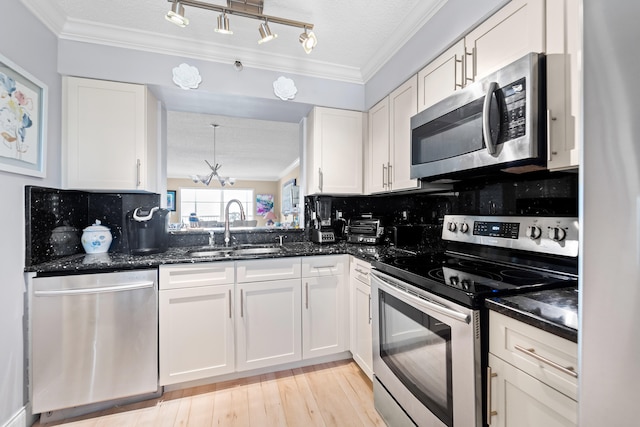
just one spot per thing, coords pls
(260, 270)
(324, 265)
(192, 275)
(360, 270)
(518, 344)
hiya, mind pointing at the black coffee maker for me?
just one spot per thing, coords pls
(147, 230)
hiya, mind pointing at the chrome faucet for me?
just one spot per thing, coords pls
(227, 232)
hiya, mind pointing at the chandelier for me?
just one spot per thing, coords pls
(206, 179)
(245, 8)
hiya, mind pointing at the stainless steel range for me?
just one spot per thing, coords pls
(429, 322)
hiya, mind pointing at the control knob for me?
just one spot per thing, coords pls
(451, 226)
(533, 232)
(557, 234)
(464, 227)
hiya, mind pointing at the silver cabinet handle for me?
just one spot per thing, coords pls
(366, 273)
(490, 413)
(138, 174)
(550, 119)
(389, 174)
(100, 290)
(320, 179)
(384, 175)
(241, 304)
(457, 61)
(230, 308)
(306, 298)
(486, 124)
(369, 308)
(569, 370)
(471, 54)
(318, 267)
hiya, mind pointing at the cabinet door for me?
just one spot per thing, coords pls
(378, 156)
(403, 104)
(564, 83)
(509, 34)
(105, 136)
(336, 152)
(361, 339)
(324, 325)
(441, 77)
(268, 327)
(520, 400)
(196, 333)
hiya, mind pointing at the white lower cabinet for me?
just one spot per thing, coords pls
(361, 310)
(196, 322)
(324, 315)
(268, 323)
(531, 375)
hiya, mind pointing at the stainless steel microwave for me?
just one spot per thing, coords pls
(496, 123)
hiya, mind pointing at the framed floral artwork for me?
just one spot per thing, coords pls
(23, 119)
(264, 203)
(171, 200)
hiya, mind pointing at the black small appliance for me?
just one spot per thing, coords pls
(147, 230)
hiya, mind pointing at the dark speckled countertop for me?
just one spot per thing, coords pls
(84, 263)
(553, 310)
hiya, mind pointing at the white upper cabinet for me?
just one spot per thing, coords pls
(334, 151)
(109, 136)
(443, 76)
(508, 35)
(564, 83)
(389, 161)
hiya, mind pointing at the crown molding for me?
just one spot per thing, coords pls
(289, 168)
(48, 13)
(385, 53)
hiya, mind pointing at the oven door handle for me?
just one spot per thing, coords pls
(456, 315)
(486, 123)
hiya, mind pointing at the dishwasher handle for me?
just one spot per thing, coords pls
(100, 290)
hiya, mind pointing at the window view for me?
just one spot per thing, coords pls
(209, 203)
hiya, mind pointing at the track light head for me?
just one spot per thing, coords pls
(308, 41)
(223, 24)
(176, 14)
(265, 33)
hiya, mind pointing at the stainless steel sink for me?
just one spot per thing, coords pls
(235, 251)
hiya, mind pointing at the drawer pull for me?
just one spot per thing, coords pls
(366, 273)
(570, 370)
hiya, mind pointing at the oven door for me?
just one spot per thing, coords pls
(426, 354)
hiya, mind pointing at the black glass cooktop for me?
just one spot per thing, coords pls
(468, 281)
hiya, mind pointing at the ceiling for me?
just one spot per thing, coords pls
(355, 39)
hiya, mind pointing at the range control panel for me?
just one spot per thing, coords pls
(550, 235)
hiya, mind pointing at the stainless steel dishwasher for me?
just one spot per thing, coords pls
(94, 338)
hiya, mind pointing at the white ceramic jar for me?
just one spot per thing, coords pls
(96, 238)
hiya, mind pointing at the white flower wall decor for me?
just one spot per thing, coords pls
(186, 76)
(284, 88)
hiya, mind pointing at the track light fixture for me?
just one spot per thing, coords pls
(265, 33)
(176, 14)
(308, 41)
(247, 9)
(223, 24)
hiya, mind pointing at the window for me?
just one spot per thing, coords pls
(209, 203)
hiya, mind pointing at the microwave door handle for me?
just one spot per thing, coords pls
(486, 125)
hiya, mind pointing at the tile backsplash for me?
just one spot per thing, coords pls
(46, 209)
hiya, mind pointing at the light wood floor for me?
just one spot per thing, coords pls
(331, 394)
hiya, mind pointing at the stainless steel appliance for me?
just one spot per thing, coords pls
(94, 338)
(367, 231)
(322, 231)
(497, 122)
(430, 326)
(147, 230)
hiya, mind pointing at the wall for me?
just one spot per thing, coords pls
(26, 42)
(610, 240)
(259, 187)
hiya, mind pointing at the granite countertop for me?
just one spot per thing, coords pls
(552, 310)
(80, 263)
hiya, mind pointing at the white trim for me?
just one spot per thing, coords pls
(19, 419)
(289, 168)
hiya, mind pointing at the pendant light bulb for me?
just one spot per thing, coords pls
(265, 33)
(223, 24)
(308, 41)
(176, 15)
